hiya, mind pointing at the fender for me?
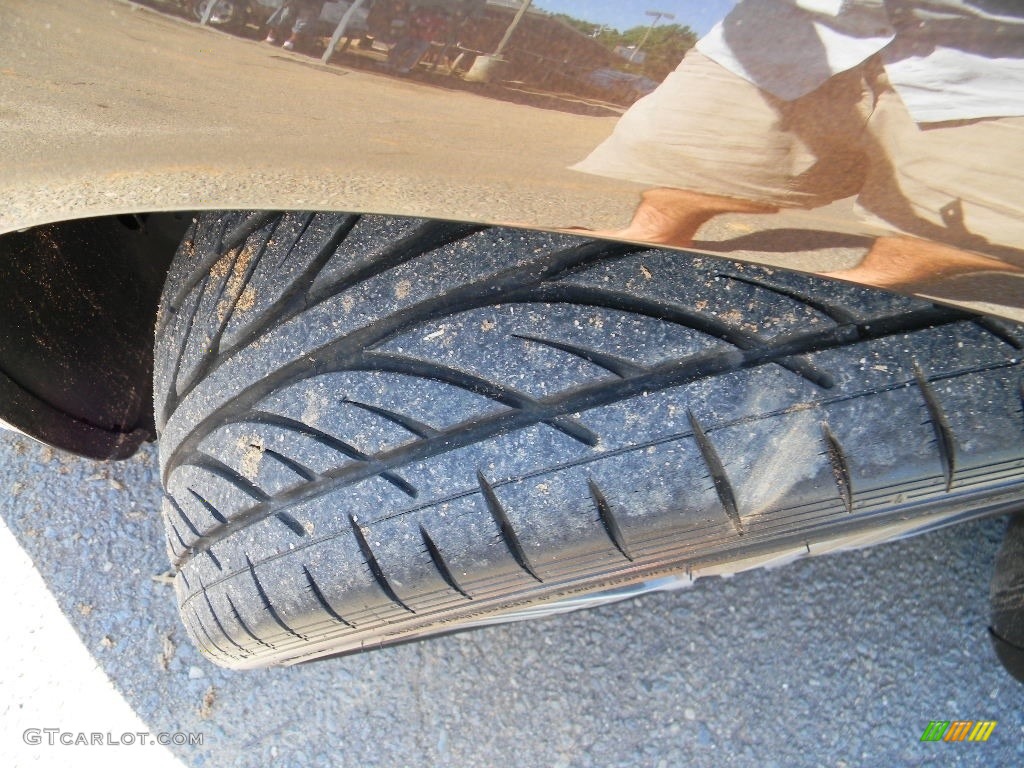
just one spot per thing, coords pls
(115, 109)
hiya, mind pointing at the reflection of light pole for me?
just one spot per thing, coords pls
(512, 28)
(658, 16)
(340, 30)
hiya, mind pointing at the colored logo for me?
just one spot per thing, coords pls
(958, 730)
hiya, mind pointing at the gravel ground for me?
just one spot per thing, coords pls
(838, 661)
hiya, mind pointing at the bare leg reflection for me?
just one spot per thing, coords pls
(673, 216)
(904, 262)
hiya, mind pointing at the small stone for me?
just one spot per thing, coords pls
(195, 673)
(168, 649)
(167, 577)
(206, 706)
(689, 713)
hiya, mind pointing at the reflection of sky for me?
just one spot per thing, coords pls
(699, 15)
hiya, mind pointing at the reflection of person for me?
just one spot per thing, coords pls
(305, 14)
(914, 106)
(425, 25)
(381, 17)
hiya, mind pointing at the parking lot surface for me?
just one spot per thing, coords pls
(838, 661)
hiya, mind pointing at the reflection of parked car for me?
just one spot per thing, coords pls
(619, 86)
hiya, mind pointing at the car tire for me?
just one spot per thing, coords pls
(1006, 600)
(375, 429)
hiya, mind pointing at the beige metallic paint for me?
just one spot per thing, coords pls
(107, 107)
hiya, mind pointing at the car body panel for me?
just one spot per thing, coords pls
(111, 108)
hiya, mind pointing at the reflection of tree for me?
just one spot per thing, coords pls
(663, 50)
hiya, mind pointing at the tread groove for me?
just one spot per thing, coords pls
(407, 423)
(244, 626)
(301, 470)
(619, 366)
(574, 428)
(200, 271)
(181, 541)
(840, 467)
(235, 254)
(996, 328)
(943, 432)
(481, 293)
(834, 313)
(427, 237)
(377, 361)
(214, 560)
(216, 620)
(169, 544)
(219, 469)
(721, 480)
(174, 393)
(265, 598)
(306, 222)
(374, 565)
(664, 376)
(213, 350)
(508, 533)
(216, 513)
(181, 513)
(607, 517)
(624, 302)
(329, 441)
(245, 228)
(439, 563)
(209, 638)
(322, 599)
(294, 425)
(289, 304)
(293, 525)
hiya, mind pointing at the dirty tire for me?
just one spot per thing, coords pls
(375, 429)
(1007, 600)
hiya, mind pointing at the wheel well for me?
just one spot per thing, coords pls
(78, 301)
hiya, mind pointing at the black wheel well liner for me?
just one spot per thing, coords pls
(78, 302)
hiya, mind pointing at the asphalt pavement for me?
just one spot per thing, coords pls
(839, 661)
